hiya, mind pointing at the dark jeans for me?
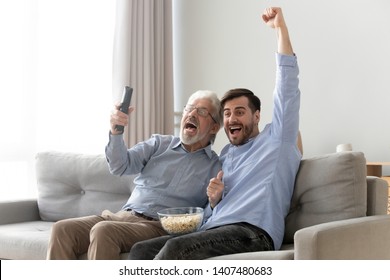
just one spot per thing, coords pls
(229, 239)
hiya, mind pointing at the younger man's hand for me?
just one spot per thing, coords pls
(215, 189)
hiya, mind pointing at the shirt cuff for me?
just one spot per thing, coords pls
(286, 60)
(115, 138)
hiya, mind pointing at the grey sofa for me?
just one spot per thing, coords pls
(336, 211)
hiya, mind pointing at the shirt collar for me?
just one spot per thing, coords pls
(206, 149)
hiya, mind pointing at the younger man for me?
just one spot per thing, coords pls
(250, 199)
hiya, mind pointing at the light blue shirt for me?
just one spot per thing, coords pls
(169, 176)
(259, 176)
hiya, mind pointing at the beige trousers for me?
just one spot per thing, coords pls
(103, 237)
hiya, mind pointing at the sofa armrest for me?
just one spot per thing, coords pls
(259, 255)
(377, 196)
(19, 211)
(358, 238)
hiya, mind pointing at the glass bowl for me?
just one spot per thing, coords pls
(181, 220)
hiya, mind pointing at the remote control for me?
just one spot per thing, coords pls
(126, 98)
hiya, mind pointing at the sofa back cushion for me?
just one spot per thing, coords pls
(328, 188)
(73, 185)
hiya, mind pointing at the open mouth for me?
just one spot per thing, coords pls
(234, 130)
(190, 126)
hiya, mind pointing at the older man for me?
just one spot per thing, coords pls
(172, 172)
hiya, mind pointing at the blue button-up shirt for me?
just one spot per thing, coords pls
(169, 176)
(259, 176)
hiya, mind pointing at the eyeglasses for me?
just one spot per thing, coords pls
(203, 112)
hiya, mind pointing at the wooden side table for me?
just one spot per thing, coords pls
(375, 169)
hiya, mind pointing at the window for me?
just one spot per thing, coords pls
(55, 94)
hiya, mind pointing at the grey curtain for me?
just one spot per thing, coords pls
(143, 59)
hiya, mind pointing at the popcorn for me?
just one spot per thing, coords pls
(181, 224)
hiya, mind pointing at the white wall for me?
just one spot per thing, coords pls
(343, 49)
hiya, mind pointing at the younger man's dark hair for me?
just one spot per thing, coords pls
(254, 102)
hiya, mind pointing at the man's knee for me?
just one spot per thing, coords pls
(148, 249)
(139, 252)
(172, 243)
(62, 227)
(172, 250)
(100, 231)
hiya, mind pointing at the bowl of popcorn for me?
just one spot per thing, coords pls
(181, 220)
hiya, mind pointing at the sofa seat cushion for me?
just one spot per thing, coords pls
(328, 188)
(29, 241)
(73, 185)
(24, 241)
